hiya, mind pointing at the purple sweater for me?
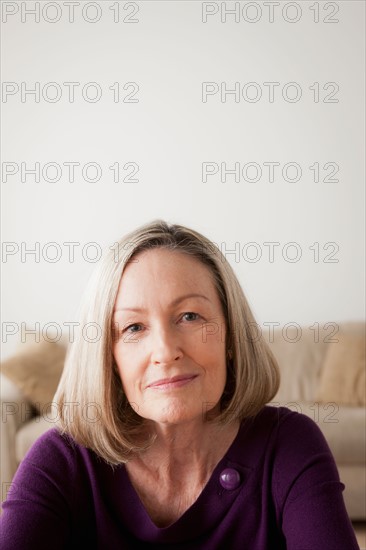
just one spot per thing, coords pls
(289, 496)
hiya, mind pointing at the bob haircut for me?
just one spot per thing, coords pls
(92, 406)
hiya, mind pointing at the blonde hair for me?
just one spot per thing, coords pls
(90, 380)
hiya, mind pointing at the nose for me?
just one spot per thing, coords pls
(165, 347)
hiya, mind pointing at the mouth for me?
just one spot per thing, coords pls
(173, 382)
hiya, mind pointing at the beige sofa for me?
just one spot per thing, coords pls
(318, 378)
(323, 376)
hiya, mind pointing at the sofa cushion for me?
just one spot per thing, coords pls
(343, 375)
(300, 356)
(36, 370)
(354, 478)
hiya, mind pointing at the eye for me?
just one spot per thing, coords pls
(131, 328)
(190, 316)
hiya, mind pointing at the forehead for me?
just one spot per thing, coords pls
(165, 271)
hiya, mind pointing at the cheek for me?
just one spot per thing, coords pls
(126, 369)
(212, 357)
(127, 350)
(213, 346)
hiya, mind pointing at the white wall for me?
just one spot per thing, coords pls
(169, 52)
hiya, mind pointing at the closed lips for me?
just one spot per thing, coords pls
(165, 381)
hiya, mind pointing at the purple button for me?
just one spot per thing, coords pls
(230, 479)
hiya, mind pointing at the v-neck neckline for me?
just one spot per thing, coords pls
(199, 516)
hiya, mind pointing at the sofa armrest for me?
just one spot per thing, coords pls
(15, 410)
(15, 407)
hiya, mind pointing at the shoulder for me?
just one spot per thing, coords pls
(285, 441)
(51, 464)
(58, 457)
(45, 478)
(296, 430)
(287, 425)
(300, 457)
(56, 470)
(286, 433)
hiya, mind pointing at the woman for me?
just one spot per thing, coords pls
(166, 438)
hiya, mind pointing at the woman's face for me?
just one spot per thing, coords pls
(170, 351)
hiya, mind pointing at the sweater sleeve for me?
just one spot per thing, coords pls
(37, 508)
(308, 489)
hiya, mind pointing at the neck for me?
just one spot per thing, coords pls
(195, 446)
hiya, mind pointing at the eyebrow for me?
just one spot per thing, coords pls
(174, 302)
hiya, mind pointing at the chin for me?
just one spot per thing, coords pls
(173, 413)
